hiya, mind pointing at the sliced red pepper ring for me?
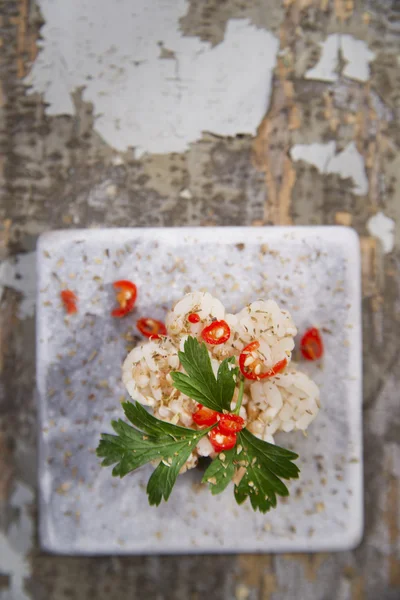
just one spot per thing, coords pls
(251, 364)
(69, 300)
(193, 318)
(230, 423)
(126, 297)
(311, 345)
(216, 333)
(221, 441)
(151, 328)
(204, 417)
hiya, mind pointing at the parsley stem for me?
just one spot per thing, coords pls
(240, 397)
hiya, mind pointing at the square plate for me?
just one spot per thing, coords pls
(312, 271)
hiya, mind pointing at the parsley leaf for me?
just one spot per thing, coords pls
(200, 383)
(220, 472)
(226, 380)
(263, 465)
(150, 439)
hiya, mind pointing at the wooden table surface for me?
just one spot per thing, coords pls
(217, 113)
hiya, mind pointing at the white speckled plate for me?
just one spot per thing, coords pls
(313, 271)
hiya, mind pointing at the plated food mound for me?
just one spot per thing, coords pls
(283, 399)
(219, 385)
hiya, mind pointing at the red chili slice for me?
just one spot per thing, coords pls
(193, 318)
(69, 299)
(311, 345)
(151, 328)
(277, 368)
(250, 370)
(204, 417)
(221, 441)
(216, 333)
(126, 297)
(230, 423)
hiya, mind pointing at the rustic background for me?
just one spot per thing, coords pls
(334, 82)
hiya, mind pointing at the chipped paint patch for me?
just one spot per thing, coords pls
(347, 164)
(355, 54)
(140, 99)
(317, 155)
(350, 164)
(19, 273)
(186, 194)
(15, 546)
(326, 67)
(382, 227)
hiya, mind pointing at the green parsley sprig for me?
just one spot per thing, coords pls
(257, 467)
(200, 382)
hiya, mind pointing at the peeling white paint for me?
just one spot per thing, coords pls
(355, 53)
(382, 227)
(326, 67)
(347, 164)
(315, 154)
(350, 164)
(143, 101)
(19, 273)
(186, 194)
(15, 546)
(357, 56)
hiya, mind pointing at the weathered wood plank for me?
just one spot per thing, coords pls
(56, 171)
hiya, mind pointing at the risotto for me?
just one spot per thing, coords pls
(277, 397)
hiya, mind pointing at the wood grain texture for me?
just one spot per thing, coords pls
(56, 171)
